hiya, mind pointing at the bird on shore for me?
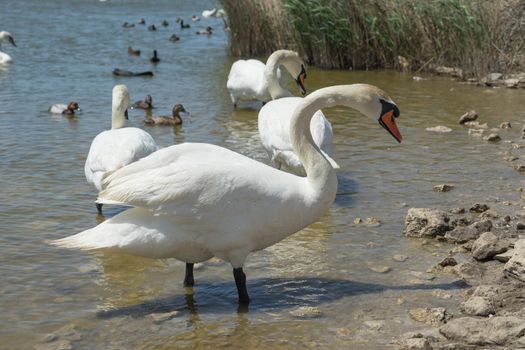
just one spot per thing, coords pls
(207, 31)
(152, 28)
(117, 147)
(155, 59)
(128, 25)
(146, 104)
(183, 26)
(133, 52)
(174, 38)
(193, 201)
(6, 37)
(275, 116)
(174, 119)
(60, 108)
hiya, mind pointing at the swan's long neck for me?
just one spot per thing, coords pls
(319, 172)
(270, 73)
(118, 116)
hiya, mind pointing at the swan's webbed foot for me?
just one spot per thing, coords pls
(188, 278)
(240, 281)
(99, 207)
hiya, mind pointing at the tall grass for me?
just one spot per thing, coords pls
(476, 35)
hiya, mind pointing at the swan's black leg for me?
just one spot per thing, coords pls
(235, 105)
(99, 207)
(188, 279)
(240, 281)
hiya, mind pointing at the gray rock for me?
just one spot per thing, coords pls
(492, 79)
(426, 222)
(493, 138)
(504, 257)
(400, 257)
(479, 208)
(512, 83)
(306, 312)
(462, 234)
(520, 168)
(448, 261)
(520, 226)
(486, 246)
(468, 117)
(515, 267)
(469, 270)
(431, 316)
(505, 125)
(443, 188)
(498, 330)
(477, 306)
(457, 210)
(415, 344)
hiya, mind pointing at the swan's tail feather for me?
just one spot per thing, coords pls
(72, 243)
(91, 239)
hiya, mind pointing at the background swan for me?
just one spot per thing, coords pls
(6, 37)
(115, 148)
(274, 118)
(247, 80)
(194, 201)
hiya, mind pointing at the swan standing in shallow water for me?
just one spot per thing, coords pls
(194, 201)
(6, 37)
(120, 146)
(247, 80)
(274, 118)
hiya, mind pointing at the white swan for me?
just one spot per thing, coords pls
(194, 201)
(120, 146)
(247, 80)
(209, 13)
(6, 37)
(274, 122)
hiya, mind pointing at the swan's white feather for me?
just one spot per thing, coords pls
(246, 81)
(274, 130)
(115, 148)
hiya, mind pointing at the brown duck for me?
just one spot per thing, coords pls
(175, 119)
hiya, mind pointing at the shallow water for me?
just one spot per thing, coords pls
(67, 50)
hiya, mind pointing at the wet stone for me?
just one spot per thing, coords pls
(493, 138)
(379, 268)
(443, 188)
(462, 234)
(439, 128)
(486, 246)
(468, 117)
(520, 226)
(505, 125)
(504, 257)
(515, 267)
(426, 222)
(431, 316)
(162, 317)
(520, 168)
(457, 210)
(448, 261)
(358, 221)
(372, 222)
(479, 208)
(400, 257)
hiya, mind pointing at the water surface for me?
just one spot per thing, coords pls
(67, 50)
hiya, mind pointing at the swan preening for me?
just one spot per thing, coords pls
(120, 146)
(248, 80)
(6, 37)
(274, 118)
(60, 108)
(193, 201)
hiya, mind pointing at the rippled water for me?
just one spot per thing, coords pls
(67, 50)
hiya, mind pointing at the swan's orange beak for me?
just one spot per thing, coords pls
(300, 80)
(388, 122)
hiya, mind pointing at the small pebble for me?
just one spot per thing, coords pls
(439, 128)
(358, 221)
(379, 268)
(372, 222)
(493, 138)
(448, 261)
(164, 316)
(306, 312)
(479, 208)
(443, 188)
(400, 257)
(520, 226)
(505, 125)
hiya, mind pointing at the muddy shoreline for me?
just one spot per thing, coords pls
(487, 252)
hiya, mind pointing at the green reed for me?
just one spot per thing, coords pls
(476, 35)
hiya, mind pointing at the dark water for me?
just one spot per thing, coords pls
(67, 50)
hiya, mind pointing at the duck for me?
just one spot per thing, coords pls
(194, 201)
(152, 28)
(133, 52)
(164, 23)
(141, 21)
(183, 26)
(155, 58)
(275, 116)
(60, 108)
(128, 25)
(146, 104)
(207, 31)
(195, 18)
(174, 119)
(117, 147)
(174, 38)
(6, 37)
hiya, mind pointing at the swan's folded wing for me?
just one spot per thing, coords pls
(180, 179)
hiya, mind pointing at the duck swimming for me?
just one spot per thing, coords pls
(174, 38)
(183, 26)
(6, 37)
(60, 108)
(133, 52)
(165, 23)
(141, 21)
(128, 25)
(146, 104)
(155, 58)
(207, 31)
(152, 28)
(193, 201)
(175, 118)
